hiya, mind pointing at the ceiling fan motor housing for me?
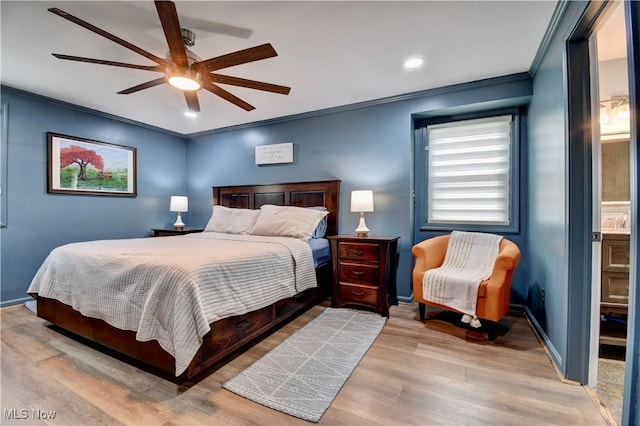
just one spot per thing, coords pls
(191, 56)
(188, 37)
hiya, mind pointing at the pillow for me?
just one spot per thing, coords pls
(321, 229)
(232, 221)
(287, 221)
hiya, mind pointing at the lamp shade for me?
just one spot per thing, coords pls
(179, 204)
(362, 201)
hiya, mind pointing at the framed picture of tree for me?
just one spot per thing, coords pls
(84, 166)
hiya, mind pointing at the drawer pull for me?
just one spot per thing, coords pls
(357, 293)
(357, 252)
(243, 324)
(358, 273)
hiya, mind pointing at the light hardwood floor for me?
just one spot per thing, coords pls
(416, 372)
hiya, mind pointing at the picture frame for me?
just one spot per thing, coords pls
(281, 153)
(87, 167)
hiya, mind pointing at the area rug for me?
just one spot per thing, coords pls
(303, 374)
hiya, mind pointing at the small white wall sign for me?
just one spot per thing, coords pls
(274, 154)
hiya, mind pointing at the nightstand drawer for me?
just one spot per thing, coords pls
(360, 273)
(358, 294)
(163, 233)
(359, 251)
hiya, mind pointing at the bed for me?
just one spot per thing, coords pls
(226, 335)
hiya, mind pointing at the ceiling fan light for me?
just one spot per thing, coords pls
(623, 113)
(604, 115)
(184, 79)
(184, 83)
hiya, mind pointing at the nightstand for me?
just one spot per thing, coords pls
(168, 232)
(364, 272)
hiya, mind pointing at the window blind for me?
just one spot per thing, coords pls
(469, 164)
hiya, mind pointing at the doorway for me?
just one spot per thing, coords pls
(611, 162)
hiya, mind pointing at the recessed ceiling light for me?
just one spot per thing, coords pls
(190, 114)
(413, 63)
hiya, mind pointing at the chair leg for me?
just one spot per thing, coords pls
(491, 329)
(492, 335)
(422, 309)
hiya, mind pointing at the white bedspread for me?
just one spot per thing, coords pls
(469, 261)
(169, 289)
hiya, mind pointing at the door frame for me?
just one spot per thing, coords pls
(579, 202)
(596, 218)
(630, 414)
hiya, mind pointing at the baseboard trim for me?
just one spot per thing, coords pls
(551, 351)
(12, 302)
(406, 299)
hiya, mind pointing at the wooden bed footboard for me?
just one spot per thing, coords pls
(230, 334)
(225, 337)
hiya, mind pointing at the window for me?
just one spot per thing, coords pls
(470, 174)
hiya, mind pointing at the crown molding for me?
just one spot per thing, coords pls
(79, 108)
(511, 78)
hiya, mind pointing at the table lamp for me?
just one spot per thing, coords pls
(179, 204)
(362, 201)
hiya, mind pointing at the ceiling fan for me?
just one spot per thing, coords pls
(182, 68)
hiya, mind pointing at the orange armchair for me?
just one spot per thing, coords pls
(493, 294)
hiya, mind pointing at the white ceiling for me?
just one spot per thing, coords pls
(611, 35)
(331, 53)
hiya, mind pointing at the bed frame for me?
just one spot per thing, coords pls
(230, 334)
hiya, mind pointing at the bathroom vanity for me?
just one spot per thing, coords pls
(614, 298)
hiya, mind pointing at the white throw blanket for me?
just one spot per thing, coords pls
(169, 289)
(469, 261)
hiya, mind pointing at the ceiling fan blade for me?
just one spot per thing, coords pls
(107, 35)
(148, 84)
(251, 54)
(171, 26)
(251, 84)
(216, 90)
(192, 100)
(105, 62)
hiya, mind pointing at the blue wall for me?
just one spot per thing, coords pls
(547, 156)
(370, 147)
(38, 222)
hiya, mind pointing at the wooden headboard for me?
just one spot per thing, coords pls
(299, 194)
